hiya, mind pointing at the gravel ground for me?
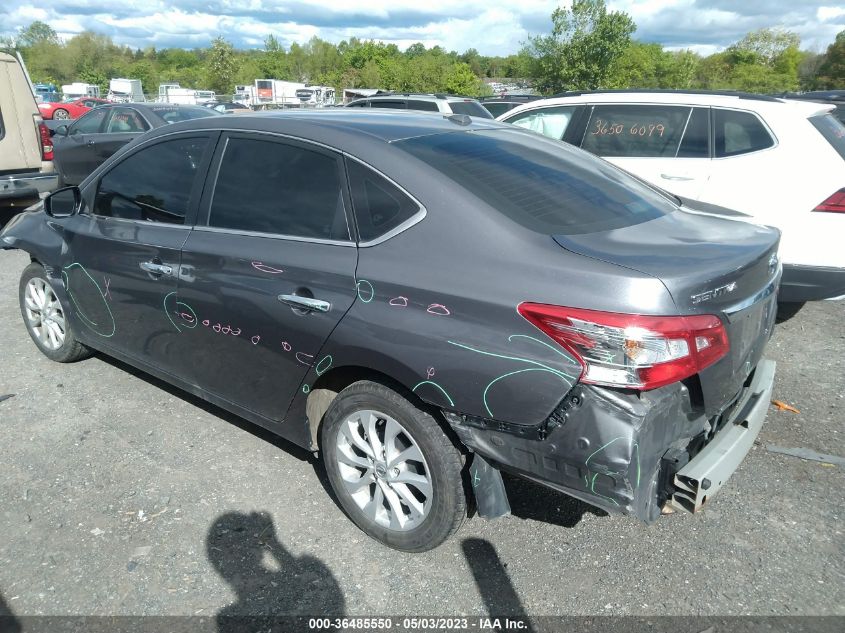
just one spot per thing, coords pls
(121, 495)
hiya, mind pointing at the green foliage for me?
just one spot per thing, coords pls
(585, 43)
(220, 66)
(831, 72)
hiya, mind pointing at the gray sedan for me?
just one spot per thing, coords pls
(81, 146)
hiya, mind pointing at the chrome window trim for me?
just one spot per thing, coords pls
(291, 238)
(400, 228)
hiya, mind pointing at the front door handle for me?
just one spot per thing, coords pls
(156, 269)
(671, 177)
(305, 303)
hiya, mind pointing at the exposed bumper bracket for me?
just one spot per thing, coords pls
(708, 471)
(489, 489)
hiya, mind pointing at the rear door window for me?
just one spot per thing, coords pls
(419, 104)
(832, 130)
(125, 120)
(281, 188)
(390, 105)
(154, 184)
(551, 122)
(548, 187)
(736, 132)
(635, 130)
(380, 206)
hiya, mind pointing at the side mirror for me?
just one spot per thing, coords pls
(63, 203)
(62, 130)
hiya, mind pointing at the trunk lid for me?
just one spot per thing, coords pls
(710, 265)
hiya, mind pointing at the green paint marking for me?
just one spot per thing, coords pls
(475, 479)
(319, 371)
(434, 384)
(358, 289)
(569, 378)
(305, 388)
(513, 373)
(185, 305)
(92, 325)
(536, 340)
(598, 494)
(637, 448)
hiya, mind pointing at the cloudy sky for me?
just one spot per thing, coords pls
(494, 27)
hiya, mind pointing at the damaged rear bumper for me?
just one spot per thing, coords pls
(625, 452)
(708, 471)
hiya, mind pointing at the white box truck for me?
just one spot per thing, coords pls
(274, 92)
(125, 90)
(79, 90)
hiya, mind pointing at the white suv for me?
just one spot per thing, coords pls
(447, 104)
(781, 162)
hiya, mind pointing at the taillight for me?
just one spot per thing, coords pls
(834, 204)
(46, 141)
(632, 350)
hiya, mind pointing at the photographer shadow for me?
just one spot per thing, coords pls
(271, 584)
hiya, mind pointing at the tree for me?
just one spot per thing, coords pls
(460, 80)
(584, 44)
(831, 73)
(767, 45)
(220, 66)
(37, 33)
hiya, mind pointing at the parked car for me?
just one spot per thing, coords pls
(85, 143)
(447, 104)
(299, 270)
(26, 150)
(229, 107)
(69, 109)
(497, 106)
(781, 163)
(836, 98)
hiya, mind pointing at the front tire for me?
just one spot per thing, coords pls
(45, 318)
(395, 472)
(61, 114)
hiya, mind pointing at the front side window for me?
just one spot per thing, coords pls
(153, 184)
(635, 130)
(90, 122)
(391, 105)
(379, 205)
(273, 187)
(419, 104)
(738, 133)
(551, 122)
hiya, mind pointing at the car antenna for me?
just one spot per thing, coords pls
(460, 119)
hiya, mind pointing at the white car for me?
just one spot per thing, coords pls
(781, 162)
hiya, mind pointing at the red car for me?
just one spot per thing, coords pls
(69, 109)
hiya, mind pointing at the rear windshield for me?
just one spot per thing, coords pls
(470, 108)
(546, 186)
(185, 113)
(832, 129)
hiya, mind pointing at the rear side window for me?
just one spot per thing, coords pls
(279, 188)
(470, 108)
(153, 184)
(635, 130)
(696, 141)
(418, 104)
(90, 122)
(379, 205)
(125, 120)
(551, 122)
(545, 186)
(738, 133)
(172, 115)
(832, 130)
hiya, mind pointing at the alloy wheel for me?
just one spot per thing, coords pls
(384, 470)
(44, 314)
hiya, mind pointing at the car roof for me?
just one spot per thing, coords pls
(341, 127)
(738, 100)
(433, 96)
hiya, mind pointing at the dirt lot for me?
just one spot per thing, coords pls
(121, 495)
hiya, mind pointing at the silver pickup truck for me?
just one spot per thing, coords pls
(26, 149)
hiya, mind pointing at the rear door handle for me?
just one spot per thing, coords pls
(156, 269)
(305, 303)
(671, 177)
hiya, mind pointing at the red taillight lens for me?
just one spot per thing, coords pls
(834, 204)
(46, 141)
(632, 350)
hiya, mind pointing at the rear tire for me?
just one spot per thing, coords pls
(787, 310)
(61, 114)
(45, 318)
(393, 469)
